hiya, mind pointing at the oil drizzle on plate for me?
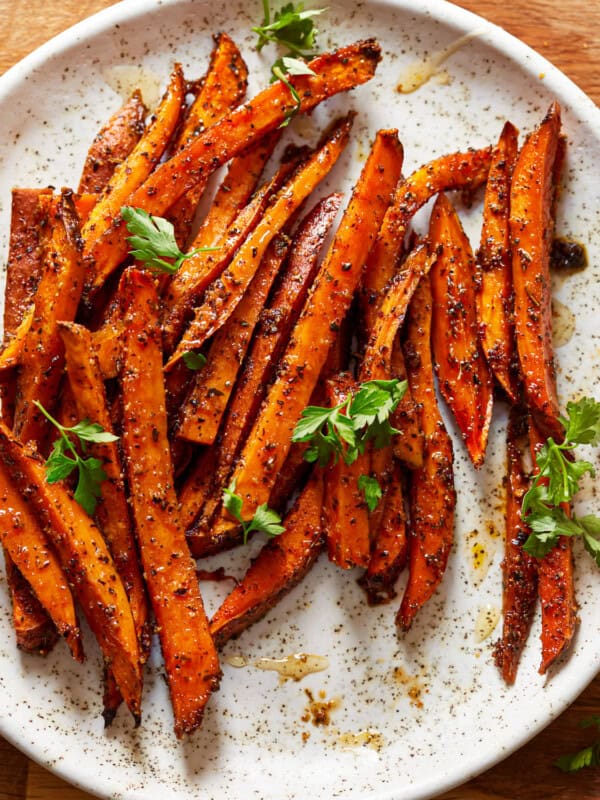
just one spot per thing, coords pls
(368, 738)
(486, 622)
(563, 323)
(124, 79)
(294, 667)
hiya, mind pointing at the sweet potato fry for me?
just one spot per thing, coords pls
(34, 630)
(222, 297)
(408, 444)
(390, 547)
(190, 658)
(87, 563)
(335, 72)
(531, 230)
(280, 565)
(556, 588)
(134, 170)
(112, 512)
(345, 512)
(106, 345)
(464, 171)
(326, 306)
(57, 298)
(432, 495)
(112, 144)
(10, 356)
(84, 203)
(495, 313)
(464, 378)
(23, 537)
(519, 569)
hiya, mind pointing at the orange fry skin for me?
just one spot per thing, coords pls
(112, 144)
(315, 331)
(495, 312)
(335, 72)
(190, 657)
(432, 496)
(280, 565)
(408, 444)
(464, 378)
(11, 354)
(519, 569)
(531, 229)
(34, 630)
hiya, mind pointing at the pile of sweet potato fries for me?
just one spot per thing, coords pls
(91, 334)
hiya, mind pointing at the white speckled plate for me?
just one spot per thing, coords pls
(434, 697)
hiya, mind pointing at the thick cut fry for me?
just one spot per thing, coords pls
(112, 512)
(34, 630)
(87, 563)
(280, 565)
(408, 444)
(222, 297)
(335, 72)
(23, 537)
(112, 144)
(345, 512)
(390, 548)
(11, 354)
(190, 657)
(106, 344)
(432, 495)
(519, 569)
(205, 405)
(326, 306)
(495, 313)
(464, 171)
(556, 588)
(134, 170)
(57, 298)
(463, 375)
(531, 230)
(273, 332)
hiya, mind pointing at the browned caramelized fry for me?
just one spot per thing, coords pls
(519, 569)
(408, 444)
(190, 658)
(432, 495)
(335, 72)
(10, 356)
(34, 630)
(280, 565)
(495, 311)
(532, 196)
(111, 146)
(464, 378)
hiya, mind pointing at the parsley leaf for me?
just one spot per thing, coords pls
(153, 240)
(59, 465)
(292, 66)
(264, 519)
(558, 481)
(292, 27)
(371, 490)
(588, 757)
(193, 360)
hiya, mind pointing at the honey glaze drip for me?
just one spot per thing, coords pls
(368, 738)
(420, 72)
(486, 622)
(294, 667)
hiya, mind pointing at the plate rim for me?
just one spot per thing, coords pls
(509, 46)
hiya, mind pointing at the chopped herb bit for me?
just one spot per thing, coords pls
(193, 360)
(264, 519)
(371, 490)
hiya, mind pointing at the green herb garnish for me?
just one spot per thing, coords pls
(193, 360)
(59, 465)
(292, 66)
(292, 27)
(371, 489)
(557, 482)
(153, 240)
(264, 519)
(345, 429)
(588, 757)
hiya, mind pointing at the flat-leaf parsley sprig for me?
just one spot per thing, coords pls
(264, 519)
(153, 240)
(59, 465)
(588, 757)
(291, 66)
(558, 481)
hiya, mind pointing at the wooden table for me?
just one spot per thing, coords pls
(567, 34)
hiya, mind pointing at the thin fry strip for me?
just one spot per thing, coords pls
(10, 356)
(34, 630)
(531, 229)
(57, 298)
(408, 444)
(519, 569)
(112, 144)
(87, 563)
(335, 72)
(112, 512)
(432, 495)
(324, 310)
(134, 170)
(464, 379)
(191, 661)
(23, 538)
(222, 297)
(280, 565)
(495, 314)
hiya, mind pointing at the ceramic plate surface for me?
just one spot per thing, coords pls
(432, 702)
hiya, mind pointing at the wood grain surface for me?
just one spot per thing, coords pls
(567, 34)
